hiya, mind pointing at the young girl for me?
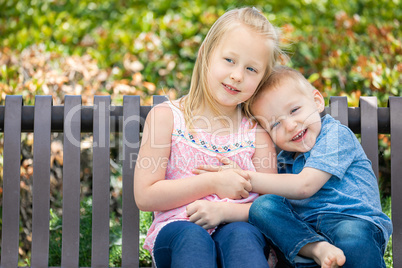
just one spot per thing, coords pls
(212, 121)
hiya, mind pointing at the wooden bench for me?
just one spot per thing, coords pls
(102, 119)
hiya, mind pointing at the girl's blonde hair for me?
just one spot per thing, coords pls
(199, 93)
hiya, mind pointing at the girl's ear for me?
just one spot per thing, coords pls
(319, 100)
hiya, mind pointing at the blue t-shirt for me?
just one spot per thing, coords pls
(352, 189)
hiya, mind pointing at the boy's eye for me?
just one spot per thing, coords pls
(295, 109)
(274, 125)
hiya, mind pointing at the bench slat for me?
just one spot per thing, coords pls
(395, 104)
(41, 182)
(339, 109)
(131, 216)
(369, 129)
(157, 99)
(101, 182)
(71, 182)
(11, 181)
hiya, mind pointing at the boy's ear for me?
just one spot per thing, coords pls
(319, 100)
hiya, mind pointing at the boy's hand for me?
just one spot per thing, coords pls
(205, 213)
(226, 164)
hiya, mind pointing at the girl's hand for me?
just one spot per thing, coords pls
(226, 164)
(205, 213)
(232, 183)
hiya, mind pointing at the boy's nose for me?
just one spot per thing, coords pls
(290, 124)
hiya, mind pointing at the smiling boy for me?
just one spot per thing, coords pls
(325, 204)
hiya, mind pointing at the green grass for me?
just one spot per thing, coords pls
(386, 207)
(85, 237)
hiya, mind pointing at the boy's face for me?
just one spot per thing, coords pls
(290, 114)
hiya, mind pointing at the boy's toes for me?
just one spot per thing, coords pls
(341, 260)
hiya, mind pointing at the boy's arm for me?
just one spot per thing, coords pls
(327, 161)
(292, 186)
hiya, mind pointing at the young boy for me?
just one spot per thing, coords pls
(326, 204)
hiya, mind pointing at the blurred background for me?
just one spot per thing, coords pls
(137, 47)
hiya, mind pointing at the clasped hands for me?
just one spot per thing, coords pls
(231, 182)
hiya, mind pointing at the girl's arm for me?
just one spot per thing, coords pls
(292, 186)
(264, 158)
(210, 214)
(153, 193)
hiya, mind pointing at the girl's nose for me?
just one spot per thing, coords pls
(237, 75)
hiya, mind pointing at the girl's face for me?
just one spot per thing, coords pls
(237, 66)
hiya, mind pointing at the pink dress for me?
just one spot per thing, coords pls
(189, 151)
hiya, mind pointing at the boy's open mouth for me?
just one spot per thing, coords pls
(300, 135)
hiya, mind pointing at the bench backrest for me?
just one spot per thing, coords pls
(102, 119)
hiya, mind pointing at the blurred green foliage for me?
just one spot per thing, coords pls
(139, 47)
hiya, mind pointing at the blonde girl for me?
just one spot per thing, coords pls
(201, 220)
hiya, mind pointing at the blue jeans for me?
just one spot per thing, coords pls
(362, 242)
(185, 244)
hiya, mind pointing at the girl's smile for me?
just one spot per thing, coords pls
(237, 66)
(230, 89)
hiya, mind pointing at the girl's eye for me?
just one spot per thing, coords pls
(229, 60)
(251, 69)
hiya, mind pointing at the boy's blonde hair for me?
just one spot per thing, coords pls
(279, 74)
(199, 92)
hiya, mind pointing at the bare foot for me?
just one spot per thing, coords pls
(325, 254)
